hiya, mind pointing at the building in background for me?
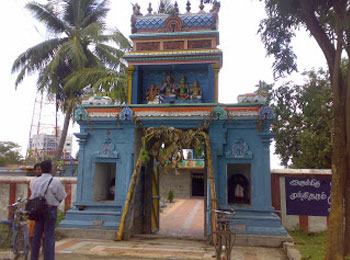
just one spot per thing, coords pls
(43, 145)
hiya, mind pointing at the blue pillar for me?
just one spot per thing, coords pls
(208, 96)
(266, 171)
(82, 138)
(135, 84)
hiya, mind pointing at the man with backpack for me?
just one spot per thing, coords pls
(54, 192)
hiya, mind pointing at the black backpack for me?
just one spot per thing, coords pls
(35, 207)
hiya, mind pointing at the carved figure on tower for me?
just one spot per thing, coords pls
(152, 94)
(196, 91)
(167, 90)
(183, 91)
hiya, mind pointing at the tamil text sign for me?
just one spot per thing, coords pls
(308, 196)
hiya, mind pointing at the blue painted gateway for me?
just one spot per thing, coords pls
(173, 82)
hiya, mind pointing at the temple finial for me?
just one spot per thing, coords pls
(176, 7)
(188, 6)
(201, 6)
(149, 9)
(216, 6)
(136, 9)
(162, 7)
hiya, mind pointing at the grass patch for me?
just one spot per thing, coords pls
(312, 246)
(5, 237)
(60, 217)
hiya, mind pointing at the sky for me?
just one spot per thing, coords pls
(244, 59)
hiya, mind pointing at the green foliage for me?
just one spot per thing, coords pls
(166, 144)
(9, 153)
(76, 56)
(199, 151)
(285, 17)
(60, 217)
(5, 237)
(328, 23)
(265, 90)
(145, 156)
(170, 196)
(312, 246)
(30, 158)
(304, 122)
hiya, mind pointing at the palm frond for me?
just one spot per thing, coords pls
(38, 56)
(118, 38)
(93, 60)
(97, 12)
(56, 70)
(91, 32)
(109, 55)
(72, 13)
(45, 15)
(21, 76)
(75, 53)
(41, 57)
(101, 80)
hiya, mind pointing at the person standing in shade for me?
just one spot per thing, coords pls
(54, 195)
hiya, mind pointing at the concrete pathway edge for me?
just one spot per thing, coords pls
(291, 251)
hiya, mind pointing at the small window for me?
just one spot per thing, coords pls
(239, 184)
(104, 182)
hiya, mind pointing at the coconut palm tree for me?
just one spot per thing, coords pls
(78, 44)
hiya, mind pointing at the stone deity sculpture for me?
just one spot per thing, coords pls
(152, 93)
(196, 91)
(167, 90)
(182, 90)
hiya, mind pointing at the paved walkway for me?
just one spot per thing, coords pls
(184, 218)
(155, 249)
(170, 249)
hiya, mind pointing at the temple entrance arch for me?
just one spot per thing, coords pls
(184, 216)
(163, 147)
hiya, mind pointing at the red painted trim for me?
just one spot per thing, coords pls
(304, 223)
(68, 200)
(172, 62)
(173, 109)
(276, 193)
(69, 181)
(157, 30)
(19, 181)
(12, 196)
(14, 181)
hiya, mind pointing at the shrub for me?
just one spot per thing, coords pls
(170, 196)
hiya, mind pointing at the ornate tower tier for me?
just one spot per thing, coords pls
(175, 58)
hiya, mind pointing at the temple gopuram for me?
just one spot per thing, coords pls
(173, 73)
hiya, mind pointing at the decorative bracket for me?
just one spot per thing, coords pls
(81, 114)
(266, 113)
(239, 150)
(126, 113)
(219, 113)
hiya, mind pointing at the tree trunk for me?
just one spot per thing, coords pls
(347, 186)
(129, 196)
(335, 239)
(62, 138)
(211, 177)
